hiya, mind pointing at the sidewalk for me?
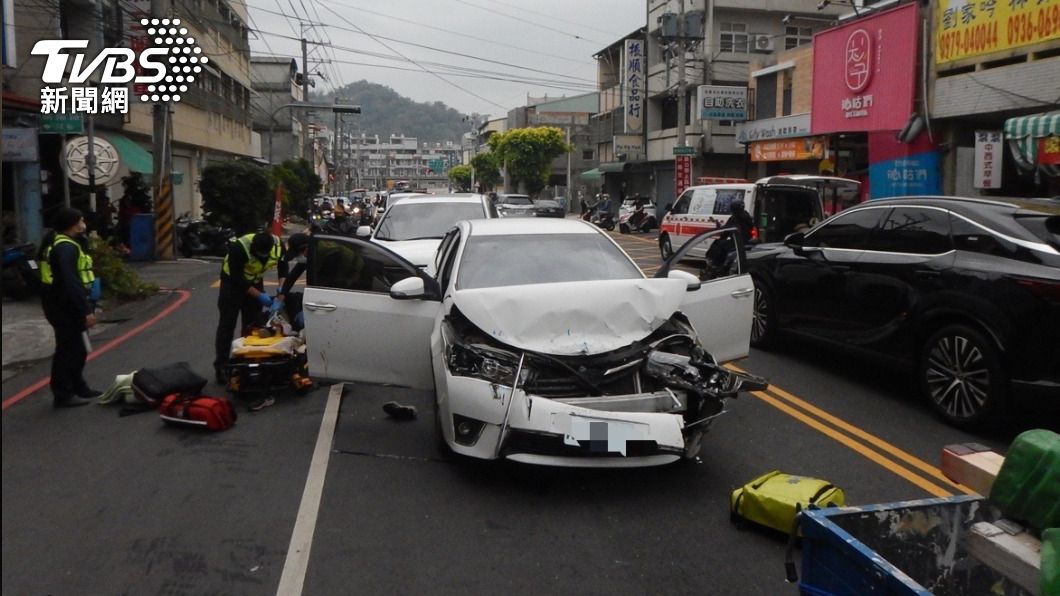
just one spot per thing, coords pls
(27, 337)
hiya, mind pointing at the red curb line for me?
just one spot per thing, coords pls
(184, 297)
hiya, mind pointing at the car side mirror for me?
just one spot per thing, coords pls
(692, 281)
(408, 289)
(364, 231)
(794, 240)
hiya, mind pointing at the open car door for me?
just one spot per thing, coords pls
(355, 330)
(722, 307)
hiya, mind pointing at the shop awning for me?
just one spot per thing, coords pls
(611, 167)
(1023, 134)
(593, 174)
(132, 154)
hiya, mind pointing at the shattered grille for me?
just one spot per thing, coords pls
(559, 382)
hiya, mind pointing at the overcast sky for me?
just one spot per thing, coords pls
(554, 38)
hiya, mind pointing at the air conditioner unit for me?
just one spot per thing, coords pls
(763, 43)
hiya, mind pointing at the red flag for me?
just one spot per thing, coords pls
(277, 214)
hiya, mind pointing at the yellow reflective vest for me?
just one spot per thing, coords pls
(254, 271)
(84, 263)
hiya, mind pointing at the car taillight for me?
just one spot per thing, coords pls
(754, 233)
(1042, 288)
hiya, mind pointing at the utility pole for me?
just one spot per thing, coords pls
(162, 185)
(682, 84)
(335, 152)
(305, 98)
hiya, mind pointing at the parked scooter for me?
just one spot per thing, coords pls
(21, 274)
(198, 237)
(603, 219)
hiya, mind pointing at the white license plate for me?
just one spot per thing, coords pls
(604, 435)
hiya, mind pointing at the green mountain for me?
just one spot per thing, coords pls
(384, 112)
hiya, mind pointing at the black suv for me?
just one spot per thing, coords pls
(966, 290)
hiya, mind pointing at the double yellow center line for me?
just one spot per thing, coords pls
(892, 458)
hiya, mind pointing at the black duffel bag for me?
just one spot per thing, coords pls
(152, 385)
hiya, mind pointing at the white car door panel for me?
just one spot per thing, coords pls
(355, 331)
(722, 308)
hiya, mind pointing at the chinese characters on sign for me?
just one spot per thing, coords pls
(773, 128)
(719, 102)
(634, 85)
(1049, 151)
(969, 28)
(84, 100)
(789, 149)
(682, 173)
(871, 87)
(988, 150)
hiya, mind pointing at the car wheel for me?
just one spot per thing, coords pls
(764, 318)
(665, 248)
(962, 376)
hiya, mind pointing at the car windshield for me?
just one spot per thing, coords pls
(418, 221)
(492, 261)
(516, 201)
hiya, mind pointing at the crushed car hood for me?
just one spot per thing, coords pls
(586, 317)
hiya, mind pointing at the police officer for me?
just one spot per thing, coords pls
(67, 282)
(242, 293)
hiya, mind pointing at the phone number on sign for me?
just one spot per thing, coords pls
(1020, 29)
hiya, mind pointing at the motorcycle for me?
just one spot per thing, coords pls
(603, 219)
(636, 221)
(198, 237)
(21, 273)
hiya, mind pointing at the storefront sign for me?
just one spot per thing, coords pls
(20, 144)
(721, 102)
(898, 169)
(862, 74)
(1049, 151)
(632, 146)
(988, 159)
(788, 149)
(969, 28)
(785, 127)
(682, 173)
(72, 124)
(634, 69)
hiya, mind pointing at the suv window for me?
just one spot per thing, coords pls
(913, 230)
(849, 229)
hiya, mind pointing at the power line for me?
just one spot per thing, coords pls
(526, 22)
(549, 16)
(418, 45)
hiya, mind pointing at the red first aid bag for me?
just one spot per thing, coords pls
(210, 413)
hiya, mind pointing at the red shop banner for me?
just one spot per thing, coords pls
(682, 173)
(1049, 151)
(864, 73)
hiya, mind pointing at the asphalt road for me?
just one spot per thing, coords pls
(97, 504)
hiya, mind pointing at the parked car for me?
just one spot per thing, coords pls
(413, 226)
(514, 206)
(967, 291)
(778, 209)
(548, 208)
(528, 349)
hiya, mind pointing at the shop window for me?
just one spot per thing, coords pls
(734, 38)
(786, 97)
(797, 36)
(766, 106)
(587, 154)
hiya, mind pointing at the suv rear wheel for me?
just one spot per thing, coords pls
(961, 373)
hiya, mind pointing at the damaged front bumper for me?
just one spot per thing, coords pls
(646, 406)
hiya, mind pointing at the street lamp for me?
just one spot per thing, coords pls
(337, 108)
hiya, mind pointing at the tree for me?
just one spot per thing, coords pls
(528, 153)
(300, 184)
(235, 194)
(461, 176)
(487, 170)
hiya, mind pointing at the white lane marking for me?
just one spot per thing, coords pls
(294, 568)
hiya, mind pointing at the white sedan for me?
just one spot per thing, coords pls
(542, 339)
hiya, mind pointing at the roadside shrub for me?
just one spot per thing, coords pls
(119, 280)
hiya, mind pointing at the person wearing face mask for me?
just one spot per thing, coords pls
(242, 293)
(67, 283)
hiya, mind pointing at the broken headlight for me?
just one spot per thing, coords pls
(495, 366)
(673, 370)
